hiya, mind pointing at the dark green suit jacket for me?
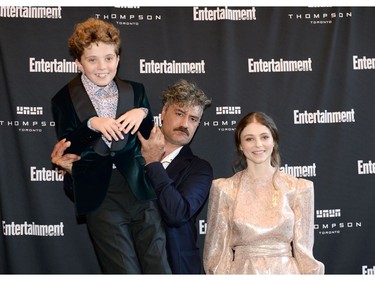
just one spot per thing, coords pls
(71, 108)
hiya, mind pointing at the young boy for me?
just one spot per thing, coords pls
(99, 114)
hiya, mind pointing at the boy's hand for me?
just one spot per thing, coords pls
(109, 127)
(131, 120)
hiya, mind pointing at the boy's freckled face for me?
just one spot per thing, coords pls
(99, 63)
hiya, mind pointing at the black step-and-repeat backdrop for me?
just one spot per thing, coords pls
(311, 68)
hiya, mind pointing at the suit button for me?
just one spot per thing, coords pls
(112, 153)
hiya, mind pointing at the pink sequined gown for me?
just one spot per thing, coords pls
(251, 226)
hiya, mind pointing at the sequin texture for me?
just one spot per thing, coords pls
(263, 226)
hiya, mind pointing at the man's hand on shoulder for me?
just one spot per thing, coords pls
(65, 162)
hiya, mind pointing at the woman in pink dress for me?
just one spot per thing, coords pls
(260, 220)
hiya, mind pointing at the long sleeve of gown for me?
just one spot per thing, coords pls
(304, 229)
(217, 252)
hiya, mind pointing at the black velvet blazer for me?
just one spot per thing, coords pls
(71, 109)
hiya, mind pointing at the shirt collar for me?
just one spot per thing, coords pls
(92, 88)
(169, 158)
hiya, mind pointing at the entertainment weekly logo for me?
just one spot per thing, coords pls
(29, 120)
(368, 270)
(224, 120)
(363, 63)
(32, 229)
(30, 12)
(224, 13)
(333, 222)
(202, 227)
(365, 167)
(320, 15)
(44, 174)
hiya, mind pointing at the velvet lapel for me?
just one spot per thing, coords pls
(81, 101)
(85, 109)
